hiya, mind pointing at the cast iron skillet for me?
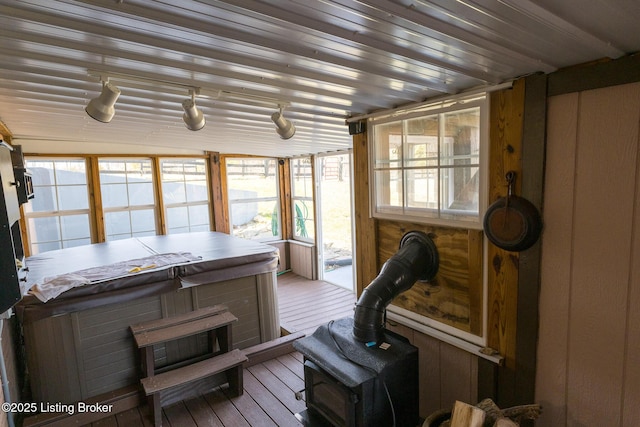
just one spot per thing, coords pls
(512, 223)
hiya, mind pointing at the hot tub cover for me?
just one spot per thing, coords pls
(208, 257)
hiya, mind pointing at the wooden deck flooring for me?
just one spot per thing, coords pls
(306, 304)
(270, 387)
(268, 400)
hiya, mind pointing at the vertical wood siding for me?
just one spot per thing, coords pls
(589, 352)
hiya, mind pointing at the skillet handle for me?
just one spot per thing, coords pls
(511, 177)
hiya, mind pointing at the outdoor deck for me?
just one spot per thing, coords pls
(270, 386)
(306, 304)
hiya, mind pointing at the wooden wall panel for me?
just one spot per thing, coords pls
(551, 373)
(446, 373)
(631, 386)
(458, 373)
(365, 231)
(303, 260)
(454, 297)
(219, 202)
(505, 151)
(283, 252)
(588, 353)
(604, 193)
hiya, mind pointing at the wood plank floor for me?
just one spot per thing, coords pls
(270, 387)
(306, 304)
(268, 400)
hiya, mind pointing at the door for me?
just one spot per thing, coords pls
(335, 219)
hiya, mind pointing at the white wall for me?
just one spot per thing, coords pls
(589, 344)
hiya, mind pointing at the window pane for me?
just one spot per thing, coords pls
(388, 189)
(460, 190)
(126, 184)
(388, 145)
(460, 144)
(255, 220)
(177, 218)
(422, 188)
(41, 171)
(303, 219)
(185, 192)
(70, 172)
(139, 170)
(75, 227)
(44, 200)
(199, 215)
(60, 186)
(73, 197)
(140, 194)
(44, 229)
(252, 178)
(117, 223)
(253, 194)
(112, 172)
(302, 182)
(437, 174)
(114, 195)
(421, 147)
(174, 192)
(197, 190)
(143, 221)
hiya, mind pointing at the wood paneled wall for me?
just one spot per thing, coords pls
(473, 378)
(589, 348)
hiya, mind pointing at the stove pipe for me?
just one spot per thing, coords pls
(417, 259)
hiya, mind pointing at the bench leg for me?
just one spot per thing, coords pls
(224, 337)
(155, 408)
(147, 361)
(234, 377)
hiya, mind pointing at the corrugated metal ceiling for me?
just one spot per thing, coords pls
(323, 60)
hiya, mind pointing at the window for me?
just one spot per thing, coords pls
(428, 166)
(302, 199)
(185, 194)
(58, 216)
(253, 198)
(128, 199)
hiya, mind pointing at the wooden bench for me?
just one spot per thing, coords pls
(217, 321)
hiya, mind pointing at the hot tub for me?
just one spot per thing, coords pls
(78, 344)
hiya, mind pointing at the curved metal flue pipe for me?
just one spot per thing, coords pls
(417, 259)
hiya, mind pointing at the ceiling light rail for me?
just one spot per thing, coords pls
(102, 108)
(174, 87)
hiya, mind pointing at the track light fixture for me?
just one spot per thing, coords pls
(284, 127)
(193, 118)
(101, 108)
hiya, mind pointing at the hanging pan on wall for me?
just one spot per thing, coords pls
(512, 223)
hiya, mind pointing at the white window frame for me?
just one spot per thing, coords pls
(130, 208)
(275, 198)
(424, 215)
(186, 204)
(58, 214)
(309, 199)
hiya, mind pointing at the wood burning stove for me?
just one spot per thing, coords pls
(355, 384)
(357, 373)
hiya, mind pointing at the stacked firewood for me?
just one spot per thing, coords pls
(488, 414)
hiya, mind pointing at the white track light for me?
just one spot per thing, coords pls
(101, 108)
(193, 118)
(284, 127)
